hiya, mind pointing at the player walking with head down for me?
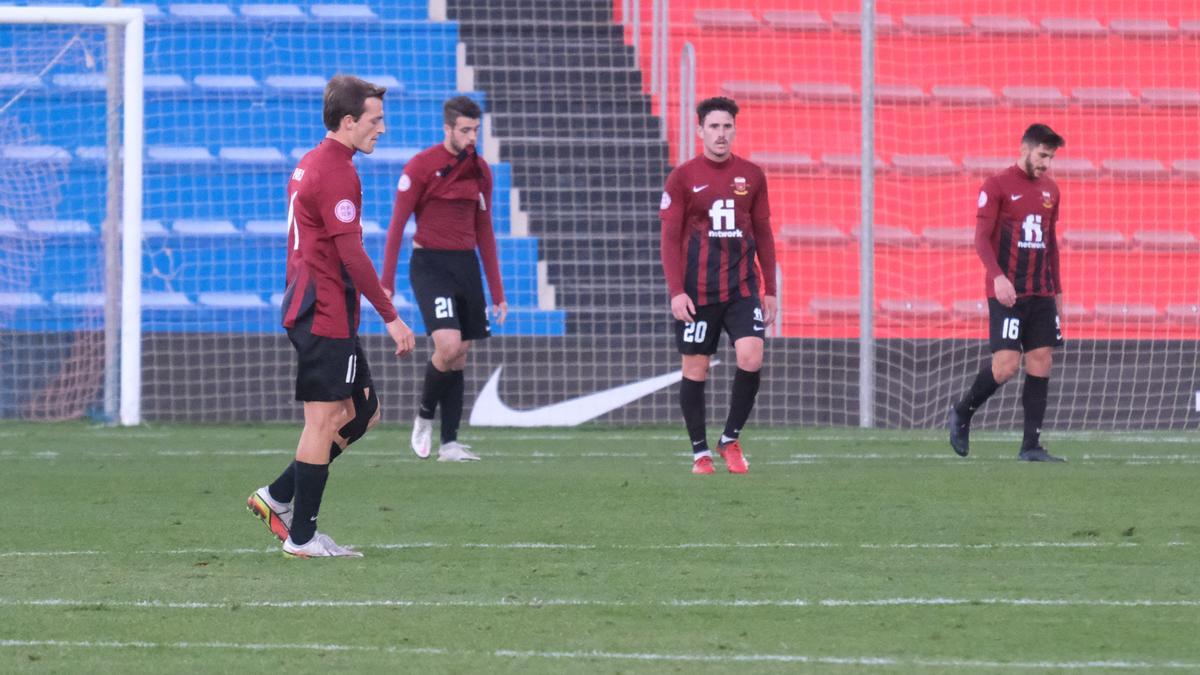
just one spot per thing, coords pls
(449, 188)
(1016, 238)
(716, 220)
(327, 268)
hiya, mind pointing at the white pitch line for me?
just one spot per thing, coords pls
(855, 661)
(683, 546)
(827, 603)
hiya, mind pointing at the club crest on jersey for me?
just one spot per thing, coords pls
(740, 188)
(345, 211)
(1047, 200)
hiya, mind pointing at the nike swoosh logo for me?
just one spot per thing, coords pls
(1015, 197)
(697, 189)
(490, 411)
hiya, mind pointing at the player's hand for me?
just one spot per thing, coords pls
(500, 311)
(1005, 293)
(770, 305)
(682, 308)
(403, 336)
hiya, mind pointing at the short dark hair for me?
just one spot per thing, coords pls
(460, 106)
(347, 95)
(1040, 134)
(716, 103)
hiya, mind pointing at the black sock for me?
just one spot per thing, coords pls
(433, 390)
(741, 401)
(1033, 397)
(981, 389)
(452, 407)
(284, 487)
(310, 486)
(691, 401)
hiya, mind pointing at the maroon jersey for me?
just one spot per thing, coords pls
(451, 195)
(715, 219)
(325, 256)
(1015, 232)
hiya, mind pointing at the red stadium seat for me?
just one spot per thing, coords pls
(969, 309)
(949, 237)
(1184, 313)
(1165, 240)
(1073, 26)
(913, 309)
(892, 235)
(1187, 168)
(813, 235)
(1142, 28)
(1115, 312)
(939, 24)
(1092, 238)
(1171, 98)
(1034, 96)
(797, 21)
(1137, 169)
(899, 93)
(1074, 167)
(924, 165)
(852, 21)
(1003, 25)
(1103, 96)
(787, 162)
(1190, 27)
(963, 95)
(752, 90)
(825, 92)
(726, 19)
(835, 307)
(987, 166)
(1076, 311)
(842, 162)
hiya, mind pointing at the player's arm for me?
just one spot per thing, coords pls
(1052, 259)
(408, 192)
(672, 212)
(485, 240)
(764, 240)
(986, 218)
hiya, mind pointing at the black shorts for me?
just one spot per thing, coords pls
(740, 318)
(1030, 324)
(449, 291)
(331, 369)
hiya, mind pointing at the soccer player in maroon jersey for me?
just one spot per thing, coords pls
(327, 268)
(449, 188)
(1016, 238)
(716, 220)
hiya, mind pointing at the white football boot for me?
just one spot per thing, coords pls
(320, 546)
(456, 452)
(422, 437)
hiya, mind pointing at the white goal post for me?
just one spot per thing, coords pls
(132, 23)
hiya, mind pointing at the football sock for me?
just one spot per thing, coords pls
(981, 389)
(741, 402)
(284, 487)
(433, 390)
(1033, 398)
(452, 406)
(691, 401)
(310, 487)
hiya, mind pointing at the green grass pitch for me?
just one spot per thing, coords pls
(595, 550)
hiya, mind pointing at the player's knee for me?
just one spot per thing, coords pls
(366, 415)
(1004, 370)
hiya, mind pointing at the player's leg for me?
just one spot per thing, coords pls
(471, 309)
(744, 322)
(366, 408)
(1042, 337)
(697, 342)
(1004, 338)
(450, 352)
(434, 292)
(322, 420)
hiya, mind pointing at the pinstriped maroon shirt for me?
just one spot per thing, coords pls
(1016, 232)
(716, 220)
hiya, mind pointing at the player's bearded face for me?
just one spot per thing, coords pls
(463, 134)
(1036, 161)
